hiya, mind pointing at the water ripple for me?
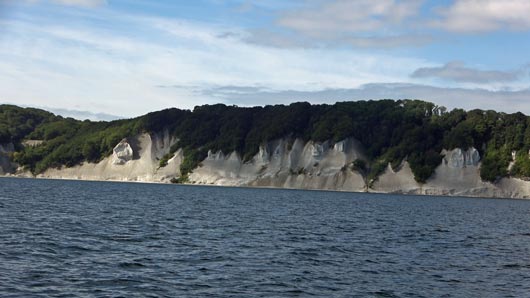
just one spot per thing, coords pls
(85, 239)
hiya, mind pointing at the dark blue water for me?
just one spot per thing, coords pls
(96, 239)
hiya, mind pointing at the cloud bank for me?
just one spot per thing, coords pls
(389, 23)
(89, 67)
(129, 63)
(504, 101)
(475, 16)
(343, 16)
(457, 71)
(361, 23)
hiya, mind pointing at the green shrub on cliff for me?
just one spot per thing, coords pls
(17, 122)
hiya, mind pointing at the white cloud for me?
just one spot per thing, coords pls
(471, 16)
(361, 23)
(99, 69)
(387, 23)
(116, 64)
(345, 16)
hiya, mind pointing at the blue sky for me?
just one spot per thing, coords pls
(128, 58)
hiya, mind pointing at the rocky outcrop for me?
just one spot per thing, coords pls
(32, 143)
(122, 153)
(458, 158)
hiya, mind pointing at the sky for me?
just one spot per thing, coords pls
(102, 59)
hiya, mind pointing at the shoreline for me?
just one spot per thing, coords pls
(264, 188)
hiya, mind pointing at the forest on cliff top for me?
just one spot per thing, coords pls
(391, 131)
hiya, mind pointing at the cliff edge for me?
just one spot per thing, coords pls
(286, 163)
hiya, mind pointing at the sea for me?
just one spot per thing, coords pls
(63, 238)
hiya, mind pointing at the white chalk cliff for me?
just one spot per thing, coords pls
(134, 160)
(286, 163)
(457, 175)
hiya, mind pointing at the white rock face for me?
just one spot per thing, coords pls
(401, 181)
(293, 164)
(317, 149)
(339, 146)
(263, 155)
(512, 162)
(122, 153)
(215, 156)
(32, 143)
(458, 175)
(151, 148)
(458, 158)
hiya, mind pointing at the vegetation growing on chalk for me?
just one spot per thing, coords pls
(391, 131)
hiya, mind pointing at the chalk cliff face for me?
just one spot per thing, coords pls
(457, 175)
(132, 160)
(286, 163)
(325, 166)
